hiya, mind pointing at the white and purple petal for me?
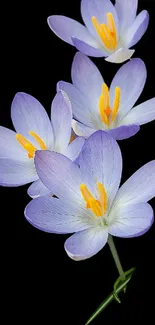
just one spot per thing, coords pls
(138, 28)
(121, 55)
(126, 11)
(89, 49)
(88, 79)
(124, 131)
(29, 115)
(101, 161)
(17, 172)
(130, 220)
(140, 187)
(81, 129)
(86, 243)
(57, 216)
(37, 189)
(80, 105)
(74, 148)
(66, 28)
(61, 176)
(141, 114)
(10, 147)
(131, 78)
(61, 117)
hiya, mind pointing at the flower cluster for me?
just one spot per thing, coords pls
(75, 179)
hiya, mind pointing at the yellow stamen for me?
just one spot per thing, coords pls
(26, 145)
(95, 207)
(39, 140)
(104, 105)
(107, 32)
(112, 27)
(102, 196)
(116, 102)
(98, 207)
(86, 194)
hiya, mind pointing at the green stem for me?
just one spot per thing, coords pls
(116, 257)
(108, 300)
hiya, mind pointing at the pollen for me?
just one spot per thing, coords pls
(98, 206)
(107, 32)
(28, 146)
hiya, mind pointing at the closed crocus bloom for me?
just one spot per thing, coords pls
(90, 203)
(99, 107)
(110, 31)
(35, 131)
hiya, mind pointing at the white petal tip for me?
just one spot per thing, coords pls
(120, 56)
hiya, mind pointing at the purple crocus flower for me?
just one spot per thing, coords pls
(110, 31)
(90, 202)
(35, 131)
(97, 107)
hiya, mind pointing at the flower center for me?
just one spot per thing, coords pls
(98, 207)
(107, 114)
(107, 32)
(28, 146)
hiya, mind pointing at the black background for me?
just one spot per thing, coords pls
(50, 286)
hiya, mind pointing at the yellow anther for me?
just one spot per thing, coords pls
(107, 32)
(112, 27)
(102, 196)
(104, 104)
(98, 207)
(26, 145)
(116, 103)
(95, 207)
(39, 140)
(85, 193)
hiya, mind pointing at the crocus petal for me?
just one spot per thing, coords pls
(86, 243)
(16, 172)
(131, 220)
(59, 174)
(56, 216)
(121, 55)
(88, 79)
(65, 28)
(74, 148)
(124, 132)
(126, 11)
(141, 114)
(9, 146)
(138, 28)
(81, 129)
(140, 187)
(101, 161)
(29, 115)
(80, 107)
(61, 117)
(37, 189)
(131, 79)
(99, 9)
(88, 49)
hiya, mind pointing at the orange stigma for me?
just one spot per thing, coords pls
(107, 114)
(98, 207)
(107, 32)
(28, 146)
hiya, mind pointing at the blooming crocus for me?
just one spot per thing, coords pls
(90, 203)
(34, 131)
(110, 31)
(97, 107)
